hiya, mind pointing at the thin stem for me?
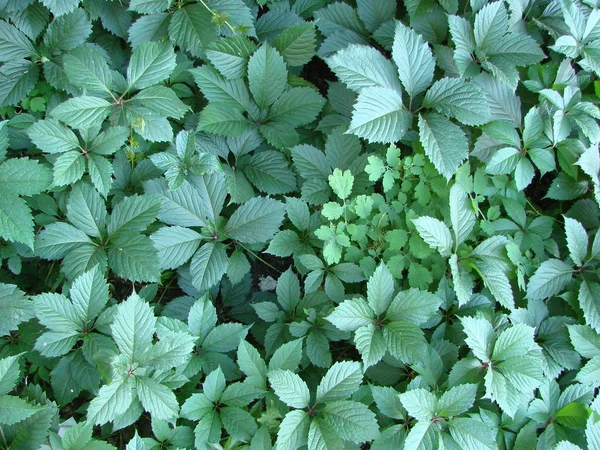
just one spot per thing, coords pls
(258, 257)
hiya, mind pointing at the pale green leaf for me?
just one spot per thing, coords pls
(133, 327)
(150, 64)
(290, 388)
(414, 60)
(340, 382)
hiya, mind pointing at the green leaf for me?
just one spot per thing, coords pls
(267, 75)
(472, 434)
(152, 27)
(497, 282)
(83, 112)
(549, 279)
(56, 312)
(414, 60)
(491, 24)
(56, 343)
(192, 28)
(513, 342)
(590, 373)
(340, 382)
(68, 31)
(370, 343)
(161, 100)
(353, 421)
(250, 361)
(373, 13)
(9, 373)
(457, 400)
(589, 301)
(208, 266)
(323, 436)
(269, 171)
(15, 308)
(361, 67)
(459, 99)
(202, 317)
(223, 120)
(16, 221)
(238, 423)
(444, 142)
(380, 290)
(435, 233)
(290, 388)
(230, 55)
(293, 430)
(297, 44)
(86, 210)
(134, 258)
(352, 314)
(87, 69)
(175, 245)
(341, 183)
(461, 214)
(405, 341)
(297, 106)
(23, 176)
(196, 407)
(17, 79)
(413, 306)
(89, 295)
(57, 239)
(133, 214)
(157, 399)
(256, 220)
(13, 43)
(379, 115)
(287, 357)
(68, 168)
(419, 403)
(133, 327)
(150, 64)
(52, 137)
(480, 336)
(577, 240)
(14, 409)
(112, 399)
(422, 436)
(225, 337)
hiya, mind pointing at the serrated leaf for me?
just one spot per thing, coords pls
(68, 168)
(351, 314)
(457, 400)
(297, 44)
(16, 220)
(589, 301)
(352, 420)
(297, 106)
(293, 430)
(435, 233)
(15, 409)
(82, 112)
(17, 79)
(549, 279)
(290, 388)
(87, 69)
(404, 340)
(150, 64)
(256, 220)
(414, 60)
(68, 31)
(340, 382)
(175, 245)
(111, 400)
(157, 399)
(577, 240)
(230, 55)
(267, 75)
(413, 306)
(208, 266)
(192, 28)
(52, 136)
(14, 43)
(223, 120)
(9, 373)
(459, 99)
(360, 67)
(23, 176)
(461, 214)
(379, 115)
(370, 343)
(162, 100)
(133, 327)
(444, 142)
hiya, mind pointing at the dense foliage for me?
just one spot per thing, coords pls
(421, 179)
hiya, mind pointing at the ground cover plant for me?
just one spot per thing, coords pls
(420, 178)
